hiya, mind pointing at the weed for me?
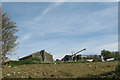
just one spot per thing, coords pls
(66, 74)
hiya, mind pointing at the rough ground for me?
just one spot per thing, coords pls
(69, 70)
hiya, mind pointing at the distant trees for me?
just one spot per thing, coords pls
(84, 58)
(77, 57)
(97, 58)
(9, 38)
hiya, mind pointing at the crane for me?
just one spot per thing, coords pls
(78, 52)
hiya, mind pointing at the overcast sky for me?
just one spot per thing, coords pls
(64, 27)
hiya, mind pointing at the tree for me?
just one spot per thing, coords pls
(106, 54)
(9, 38)
(84, 58)
(0, 33)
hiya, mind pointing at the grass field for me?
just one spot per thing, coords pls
(68, 70)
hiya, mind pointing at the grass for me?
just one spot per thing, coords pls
(72, 62)
(60, 70)
(17, 63)
(66, 74)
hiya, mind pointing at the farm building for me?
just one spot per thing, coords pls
(44, 56)
(67, 58)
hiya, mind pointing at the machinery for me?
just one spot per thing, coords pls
(78, 52)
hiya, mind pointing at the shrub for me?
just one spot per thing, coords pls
(97, 60)
(26, 62)
(118, 69)
(29, 77)
(35, 59)
(14, 63)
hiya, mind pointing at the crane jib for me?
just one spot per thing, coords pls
(78, 52)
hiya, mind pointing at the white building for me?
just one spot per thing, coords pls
(90, 60)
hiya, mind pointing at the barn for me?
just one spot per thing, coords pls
(44, 56)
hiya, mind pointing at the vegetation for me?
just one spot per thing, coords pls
(75, 58)
(116, 55)
(106, 54)
(72, 62)
(15, 63)
(118, 69)
(68, 70)
(112, 74)
(94, 57)
(9, 38)
(35, 59)
(29, 61)
(97, 58)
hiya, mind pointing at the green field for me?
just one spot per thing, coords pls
(68, 70)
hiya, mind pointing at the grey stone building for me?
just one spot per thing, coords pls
(44, 56)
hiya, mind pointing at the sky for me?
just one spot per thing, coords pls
(60, 0)
(63, 28)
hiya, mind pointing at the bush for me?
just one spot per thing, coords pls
(97, 60)
(35, 59)
(29, 61)
(14, 63)
(118, 69)
(26, 62)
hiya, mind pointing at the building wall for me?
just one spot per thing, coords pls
(38, 54)
(48, 58)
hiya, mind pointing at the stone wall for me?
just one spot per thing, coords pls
(48, 58)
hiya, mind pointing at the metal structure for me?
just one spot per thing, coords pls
(78, 52)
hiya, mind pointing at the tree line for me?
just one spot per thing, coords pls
(104, 53)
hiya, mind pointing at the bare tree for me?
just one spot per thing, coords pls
(9, 38)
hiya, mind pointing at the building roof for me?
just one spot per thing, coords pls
(31, 54)
(66, 56)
